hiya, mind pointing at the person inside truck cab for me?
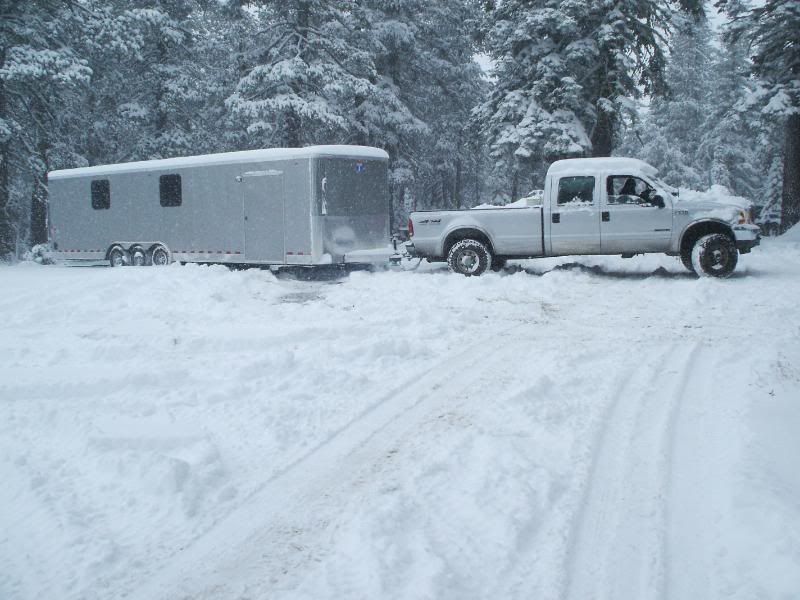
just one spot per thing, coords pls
(624, 189)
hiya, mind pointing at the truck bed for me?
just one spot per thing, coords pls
(512, 232)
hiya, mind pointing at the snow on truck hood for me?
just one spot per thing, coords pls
(266, 154)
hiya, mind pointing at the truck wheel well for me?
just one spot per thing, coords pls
(463, 234)
(695, 232)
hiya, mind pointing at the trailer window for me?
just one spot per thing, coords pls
(352, 187)
(101, 194)
(578, 190)
(169, 187)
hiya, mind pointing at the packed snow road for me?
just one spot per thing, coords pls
(605, 428)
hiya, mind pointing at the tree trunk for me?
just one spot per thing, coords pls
(39, 193)
(603, 134)
(6, 231)
(790, 211)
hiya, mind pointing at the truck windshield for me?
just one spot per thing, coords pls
(351, 187)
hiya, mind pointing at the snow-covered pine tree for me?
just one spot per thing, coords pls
(726, 146)
(567, 72)
(314, 81)
(771, 28)
(424, 52)
(38, 69)
(674, 127)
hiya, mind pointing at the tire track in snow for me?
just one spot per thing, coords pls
(278, 529)
(618, 547)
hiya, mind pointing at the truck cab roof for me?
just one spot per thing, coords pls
(624, 166)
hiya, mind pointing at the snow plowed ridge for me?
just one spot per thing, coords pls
(619, 550)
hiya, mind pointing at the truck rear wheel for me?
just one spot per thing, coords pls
(469, 257)
(714, 255)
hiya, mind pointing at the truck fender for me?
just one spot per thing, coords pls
(463, 231)
(697, 229)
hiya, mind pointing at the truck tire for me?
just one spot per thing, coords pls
(469, 257)
(159, 257)
(117, 257)
(498, 264)
(714, 255)
(686, 259)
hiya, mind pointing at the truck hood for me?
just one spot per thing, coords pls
(711, 209)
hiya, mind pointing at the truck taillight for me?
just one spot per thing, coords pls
(410, 228)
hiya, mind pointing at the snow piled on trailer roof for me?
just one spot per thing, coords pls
(268, 154)
(617, 163)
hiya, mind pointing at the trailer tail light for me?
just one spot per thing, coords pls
(410, 228)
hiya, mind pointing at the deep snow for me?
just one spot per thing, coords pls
(585, 428)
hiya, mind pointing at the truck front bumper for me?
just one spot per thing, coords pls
(747, 237)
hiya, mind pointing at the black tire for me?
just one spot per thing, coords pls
(686, 259)
(469, 257)
(714, 255)
(159, 256)
(138, 257)
(498, 264)
(117, 257)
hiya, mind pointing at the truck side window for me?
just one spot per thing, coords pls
(169, 188)
(576, 190)
(101, 194)
(626, 189)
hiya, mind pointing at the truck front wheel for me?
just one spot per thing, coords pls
(469, 257)
(714, 255)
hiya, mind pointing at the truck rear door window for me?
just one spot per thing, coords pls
(101, 194)
(577, 190)
(169, 188)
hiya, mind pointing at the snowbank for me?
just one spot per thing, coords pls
(198, 432)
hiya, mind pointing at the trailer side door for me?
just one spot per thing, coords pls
(263, 207)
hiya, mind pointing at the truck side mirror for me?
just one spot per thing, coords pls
(658, 201)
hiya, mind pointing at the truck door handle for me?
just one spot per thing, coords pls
(556, 217)
(606, 215)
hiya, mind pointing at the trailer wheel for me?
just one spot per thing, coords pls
(117, 257)
(469, 257)
(159, 257)
(138, 257)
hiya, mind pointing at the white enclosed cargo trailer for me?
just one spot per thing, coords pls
(299, 206)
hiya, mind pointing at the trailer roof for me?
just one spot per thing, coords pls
(609, 163)
(246, 156)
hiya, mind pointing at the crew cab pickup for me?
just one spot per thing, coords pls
(589, 206)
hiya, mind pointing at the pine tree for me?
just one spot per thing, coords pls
(567, 75)
(38, 68)
(771, 29)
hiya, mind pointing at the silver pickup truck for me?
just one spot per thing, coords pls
(589, 206)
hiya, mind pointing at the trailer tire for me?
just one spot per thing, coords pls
(138, 256)
(469, 257)
(159, 256)
(117, 257)
(714, 255)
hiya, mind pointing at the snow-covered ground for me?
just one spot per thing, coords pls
(584, 428)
